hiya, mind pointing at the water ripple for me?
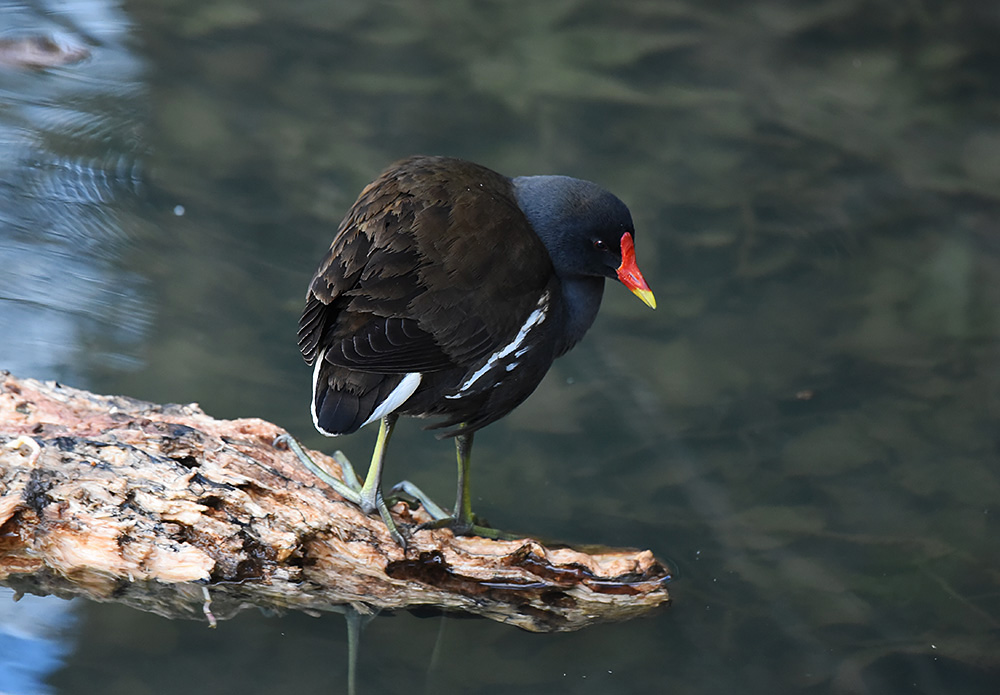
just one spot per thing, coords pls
(71, 179)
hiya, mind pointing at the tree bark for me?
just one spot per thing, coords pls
(171, 511)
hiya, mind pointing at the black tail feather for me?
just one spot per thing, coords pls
(345, 400)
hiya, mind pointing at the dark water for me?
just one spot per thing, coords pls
(808, 427)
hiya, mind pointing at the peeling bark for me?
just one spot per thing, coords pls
(161, 507)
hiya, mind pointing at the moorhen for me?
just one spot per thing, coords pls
(448, 291)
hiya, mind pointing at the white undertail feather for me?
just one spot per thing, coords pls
(395, 399)
(312, 401)
(398, 396)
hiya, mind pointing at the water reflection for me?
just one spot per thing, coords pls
(71, 114)
(70, 168)
(35, 636)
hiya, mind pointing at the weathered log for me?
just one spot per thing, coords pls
(164, 507)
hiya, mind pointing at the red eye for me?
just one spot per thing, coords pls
(600, 245)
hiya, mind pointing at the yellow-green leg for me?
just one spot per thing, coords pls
(462, 521)
(367, 496)
(371, 491)
(462, 511)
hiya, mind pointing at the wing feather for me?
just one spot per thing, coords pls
(433, 267)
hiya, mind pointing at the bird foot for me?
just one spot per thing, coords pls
(467, 527)
(390, 525)
(473, 526)
(414, 497)
(350, 488)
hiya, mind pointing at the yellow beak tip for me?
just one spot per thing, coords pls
(646, 296)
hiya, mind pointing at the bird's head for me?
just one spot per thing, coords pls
(587, 230)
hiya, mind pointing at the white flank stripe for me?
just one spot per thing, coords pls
(398, 396)
(534, 318)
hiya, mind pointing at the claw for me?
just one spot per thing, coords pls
(464, 528)
(344, 488)
(367, 497)
(407, 492)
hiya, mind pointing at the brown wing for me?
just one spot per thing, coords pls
(434, 266)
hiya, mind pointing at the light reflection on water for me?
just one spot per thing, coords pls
(69, 169)
(70, 152)
(806, 426)
(35, 636)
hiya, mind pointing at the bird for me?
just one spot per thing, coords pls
(447, 292)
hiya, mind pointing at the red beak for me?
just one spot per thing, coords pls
(628, 273)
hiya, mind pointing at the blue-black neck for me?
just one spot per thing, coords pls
(581, 297)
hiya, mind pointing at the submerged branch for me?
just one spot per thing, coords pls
(161, 507)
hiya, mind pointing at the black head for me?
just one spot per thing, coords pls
(587, 230)
(580, 223)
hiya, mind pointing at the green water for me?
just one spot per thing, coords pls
(807, 428)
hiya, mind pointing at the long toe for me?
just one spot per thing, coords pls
(347, 488)
(414, 497)
(464, 527)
